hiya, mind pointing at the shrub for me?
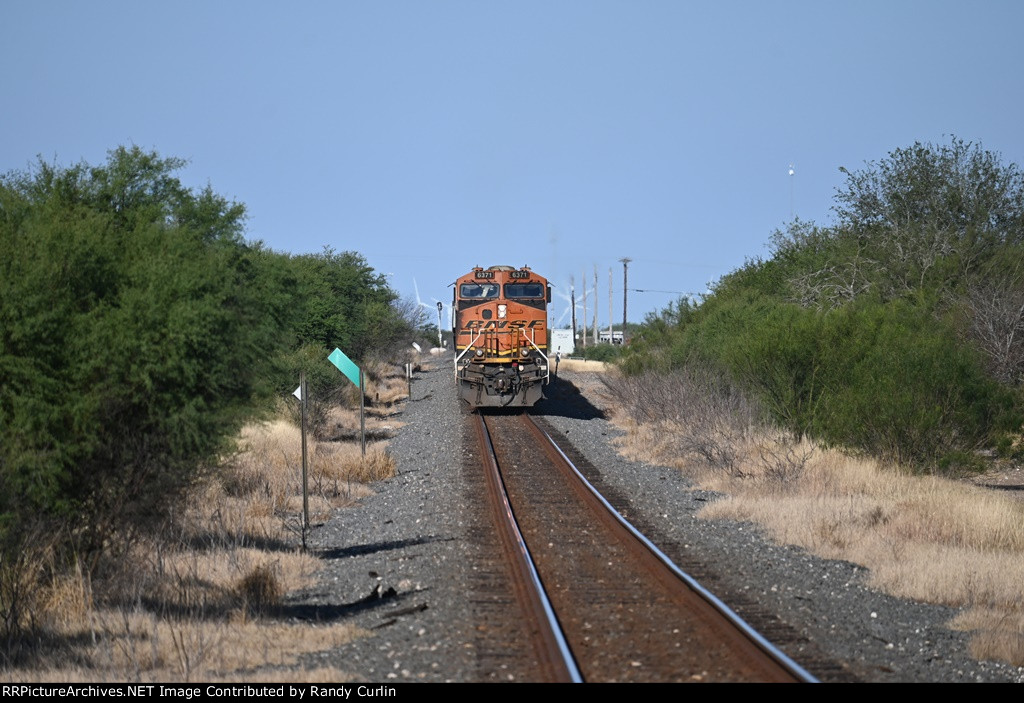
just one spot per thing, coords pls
(601, 352)
(907, 389)
(711, 419)
(891, 379)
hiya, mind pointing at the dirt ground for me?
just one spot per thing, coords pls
(1004, 477)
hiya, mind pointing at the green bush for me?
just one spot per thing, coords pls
(904, 386)
(601, 352)
(131, 344)
(138, 331)
(895, 331)
(891, 379)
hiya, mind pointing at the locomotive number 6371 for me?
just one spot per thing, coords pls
(501, 336)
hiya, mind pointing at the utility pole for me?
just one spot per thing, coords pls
(611, 327)
(595, 305)
(572, 303)
(625, 291)
(584, 311)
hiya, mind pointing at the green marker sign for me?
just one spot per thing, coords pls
(346, 366)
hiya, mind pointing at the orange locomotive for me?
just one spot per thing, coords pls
(501, 336)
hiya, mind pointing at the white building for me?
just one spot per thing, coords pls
(561, 341)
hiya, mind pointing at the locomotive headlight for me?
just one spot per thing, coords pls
(502, 311)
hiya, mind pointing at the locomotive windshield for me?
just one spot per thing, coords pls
(478, 290)
(524, 290)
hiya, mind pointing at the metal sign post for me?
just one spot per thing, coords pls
(354, 374)
(362, 412)
(300, 393)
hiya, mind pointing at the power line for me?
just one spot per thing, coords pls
(643, 290)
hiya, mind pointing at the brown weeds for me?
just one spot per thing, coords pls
(583, 365)
(926, 538)
(202, 599)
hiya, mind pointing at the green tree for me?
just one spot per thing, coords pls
(132, 340)
(888, 332)
(929, 215)
(343, 302)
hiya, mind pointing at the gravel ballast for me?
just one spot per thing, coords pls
(405, 564)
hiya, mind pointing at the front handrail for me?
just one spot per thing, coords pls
(547, 362)
(468, 347)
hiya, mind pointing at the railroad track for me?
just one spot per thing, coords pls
(599, 601)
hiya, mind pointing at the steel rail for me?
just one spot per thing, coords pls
(753, 635)
(552, 641)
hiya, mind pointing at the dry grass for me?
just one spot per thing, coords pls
(998, 632)
(581, 365)
(179, 614)
(336, 416)
(926, 538)
(265, 479)
(342, 424)
(348, 464)
(139, 646)
(386, 384)
(218, 580)
(388, 389)
(202, 601)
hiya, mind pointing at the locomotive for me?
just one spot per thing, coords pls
(501, 336)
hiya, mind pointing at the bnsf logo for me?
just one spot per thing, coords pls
(502, 324)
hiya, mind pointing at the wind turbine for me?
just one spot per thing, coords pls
(568, 304)
(416, 288)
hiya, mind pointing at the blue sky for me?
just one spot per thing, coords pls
(432, 136)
